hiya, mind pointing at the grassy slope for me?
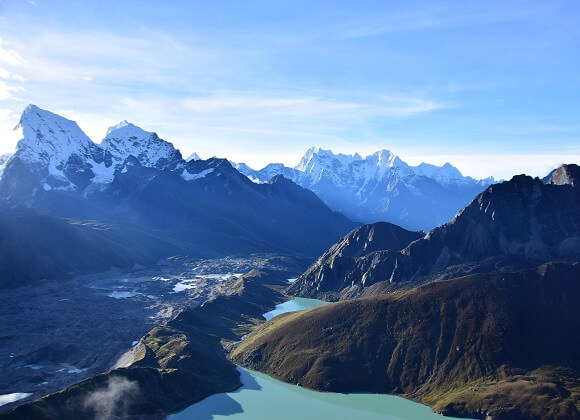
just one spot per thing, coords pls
(503, 344)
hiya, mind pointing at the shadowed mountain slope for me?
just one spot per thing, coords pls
(334, 265)
(34, 247)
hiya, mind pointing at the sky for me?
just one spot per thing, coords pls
(492, 87)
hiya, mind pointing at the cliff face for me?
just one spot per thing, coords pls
(503, 344)
(565, 175)
(336, 269)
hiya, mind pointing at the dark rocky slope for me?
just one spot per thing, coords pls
(518, 223)
(224, 210)
(173, 366)
(333, 266)
(35, 247)
(502, 344)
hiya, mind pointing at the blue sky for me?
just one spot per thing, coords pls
(493, 87)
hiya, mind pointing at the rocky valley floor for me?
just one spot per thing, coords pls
(55, 334)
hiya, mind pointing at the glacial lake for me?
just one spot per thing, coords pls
(293, 305)
(264, 398)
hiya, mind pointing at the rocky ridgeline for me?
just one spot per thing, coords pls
(518, 223)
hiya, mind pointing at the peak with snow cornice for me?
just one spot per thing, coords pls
(126, 139)
(47, 136)
(385, 158)
(55, 154)
(316, 158)
(446, 174)
(126, 129)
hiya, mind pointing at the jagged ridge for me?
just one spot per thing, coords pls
(521, 222)
(379, 187)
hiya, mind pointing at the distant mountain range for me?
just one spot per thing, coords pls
(379, 187)
(518, 223)
(136, 181)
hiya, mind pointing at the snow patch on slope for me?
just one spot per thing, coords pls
(192, 177)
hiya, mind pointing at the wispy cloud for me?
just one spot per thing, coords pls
(10, 81)
(111, 400)
(62, 57)
(7, 90)
(438, 15)
(8, 75)
(394, 106)
(9, 55)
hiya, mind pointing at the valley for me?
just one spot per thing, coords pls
(135, 283)
(54, 334)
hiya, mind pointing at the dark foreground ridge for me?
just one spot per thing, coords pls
(502, 344)
(174, 365)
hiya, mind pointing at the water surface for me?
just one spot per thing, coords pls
(264, 398)
(293, 305)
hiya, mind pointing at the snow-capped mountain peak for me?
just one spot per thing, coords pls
(193, 156)
(126, 139)
(380, 186)
(448, 174)
(385, 158)
(317, 159)
(47, 136)
(56, 152)
(126, 129)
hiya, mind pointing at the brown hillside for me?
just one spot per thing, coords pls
(505, 344)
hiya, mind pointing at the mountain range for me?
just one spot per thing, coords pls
(518, 223)
(477, 317)
(136, 182)
(379, 187)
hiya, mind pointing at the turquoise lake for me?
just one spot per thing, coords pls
(293, 305)
(265, 398)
